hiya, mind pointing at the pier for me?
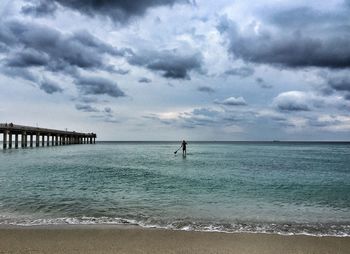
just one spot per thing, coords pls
(41, 136)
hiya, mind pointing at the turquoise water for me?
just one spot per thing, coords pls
(287, 188)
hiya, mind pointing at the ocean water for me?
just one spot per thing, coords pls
(285, 188)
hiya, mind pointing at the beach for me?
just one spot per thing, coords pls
(125, 239)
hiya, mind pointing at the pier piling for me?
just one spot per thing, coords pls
(31, 140)
(10, 140)
(4, 139)
(37, 140)
(16, 140)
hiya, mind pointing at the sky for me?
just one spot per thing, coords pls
(178, 69)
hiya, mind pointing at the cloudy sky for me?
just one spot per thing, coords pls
(174, 69)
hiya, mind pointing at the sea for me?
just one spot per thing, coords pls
(290, 188)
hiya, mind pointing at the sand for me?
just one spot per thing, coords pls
(112, 239)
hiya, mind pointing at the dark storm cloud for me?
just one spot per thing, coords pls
(340, 83)
(120, 71)
(205, 89)
(27, 58)
(14, 72)
(98, 86)
(259, 80)
(87, 39)
(171, 63)
(306, 16)
(50, 87)
(145, 80)
(287, 46)
(86, 108)
(334, 84)
(242, 72)
(108, 110)
(33, 45)
(117, 10)
(3, 48)
(262, 83)
(40, 8)
(86, 100)
(292, 106)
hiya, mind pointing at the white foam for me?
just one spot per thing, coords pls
(331, 230)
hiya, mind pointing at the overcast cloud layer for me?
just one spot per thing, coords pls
(178, 69)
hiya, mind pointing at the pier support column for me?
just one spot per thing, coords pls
(42, 140)
(10, 140)
(4, 141)
(22, 140)
(37, 140)
(48, 140)
(53, 140)
(56, 140)
(31, 140)
(16, 140)
(60, 140)
(25, 140)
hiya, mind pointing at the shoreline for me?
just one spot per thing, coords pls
(135, 239)
(134, 224)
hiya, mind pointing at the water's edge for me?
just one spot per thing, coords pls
(319, 230)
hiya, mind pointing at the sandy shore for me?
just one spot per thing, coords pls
(98, 239)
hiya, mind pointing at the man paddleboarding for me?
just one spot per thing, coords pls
(183, 145)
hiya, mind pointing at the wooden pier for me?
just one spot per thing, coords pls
(45, 137)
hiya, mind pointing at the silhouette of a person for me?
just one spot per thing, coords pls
(183, 145)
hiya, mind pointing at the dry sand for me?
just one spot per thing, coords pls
(105, 239)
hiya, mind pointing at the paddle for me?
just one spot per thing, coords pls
(177, 150)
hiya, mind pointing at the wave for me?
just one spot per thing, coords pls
(338, 230)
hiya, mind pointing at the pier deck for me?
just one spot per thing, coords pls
(41, 136)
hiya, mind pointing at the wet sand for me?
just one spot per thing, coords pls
(113, 239)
